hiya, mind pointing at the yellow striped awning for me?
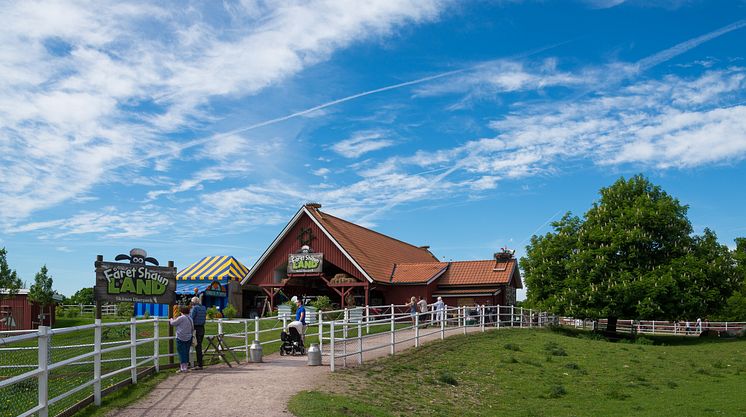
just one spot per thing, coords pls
(211, 268)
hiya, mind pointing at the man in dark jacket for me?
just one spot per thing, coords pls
(199, 316)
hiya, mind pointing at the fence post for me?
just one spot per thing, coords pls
(256, 328)
(653, 326)
(321, 330)
(393, 331)
(43, 353)
(530, 318)
(246, 338)
(443, 322)
(156, 345)
(367, 319)
(521, 316)
(416, 330)
(97, 361)
(360, 341)
(284, 321)
(220, 326)
(344, 335)
(512, 315)
(726, 326)
(331, 347)
(133, 350)
(498, 317)
(463, 319)
(481, 318)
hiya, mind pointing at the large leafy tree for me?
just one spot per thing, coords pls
(41, 291)
(83, 296)
(632, 255)
(735, 307)
(9, 281)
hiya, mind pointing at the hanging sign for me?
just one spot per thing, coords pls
(135, 281)
(215, 290)
(300, 263)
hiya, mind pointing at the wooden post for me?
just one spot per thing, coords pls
(393, 330)
(417, 330)
(97, 333)
(43, 378)
(332, 359)
(170, 328)
(156, 344)
(133, 350)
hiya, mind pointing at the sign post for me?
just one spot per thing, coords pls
(135, 282)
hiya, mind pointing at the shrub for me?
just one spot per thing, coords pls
(554, 349)
(292, 305)
(213, 313)
(125, 309)
(72, 313)
(447, 378)
(230, 311)
(322, 303)
(557, 391)
(643, 341)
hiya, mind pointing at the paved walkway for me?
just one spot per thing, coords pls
(256, 389)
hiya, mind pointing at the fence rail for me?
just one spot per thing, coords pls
(660, 327)
(49, 371)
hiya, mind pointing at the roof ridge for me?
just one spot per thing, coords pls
(378, 233)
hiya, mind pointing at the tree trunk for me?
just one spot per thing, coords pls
(611, 324)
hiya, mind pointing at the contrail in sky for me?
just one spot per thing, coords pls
(642, 65)
(309, 110)
(670, 53)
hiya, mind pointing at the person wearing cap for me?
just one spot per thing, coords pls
(300, 315)
(199, 316)
(439, 307)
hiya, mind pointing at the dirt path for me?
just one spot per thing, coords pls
(256, 389)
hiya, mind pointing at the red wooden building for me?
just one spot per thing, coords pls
(358, 265)
(18, 313)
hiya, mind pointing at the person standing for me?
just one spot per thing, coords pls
(688, 327)
(300, 315)
(199, 317)
(699, 325)
(422, 307)
(184, 328)
(439, 307)
(412, 306)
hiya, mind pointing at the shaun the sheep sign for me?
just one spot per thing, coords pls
(305, 262)
(135, 281)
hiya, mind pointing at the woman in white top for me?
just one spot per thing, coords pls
(184, 328)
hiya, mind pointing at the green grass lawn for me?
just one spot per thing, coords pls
(541, 373)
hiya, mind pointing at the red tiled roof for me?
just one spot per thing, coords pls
(466, 291)
(376, 253)
(481, 273)
(417, 272)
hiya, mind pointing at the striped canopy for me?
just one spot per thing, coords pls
(212, 268)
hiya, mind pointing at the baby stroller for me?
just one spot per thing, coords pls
(292, 342)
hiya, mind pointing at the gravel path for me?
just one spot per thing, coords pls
(256, 389)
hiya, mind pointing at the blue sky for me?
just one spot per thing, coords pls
(194, 129)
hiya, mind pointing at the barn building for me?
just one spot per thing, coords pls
(320, 254)
(18, 313)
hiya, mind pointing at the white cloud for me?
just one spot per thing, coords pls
(87, 88)
(361, 143)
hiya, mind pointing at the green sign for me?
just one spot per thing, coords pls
(300, 263)
(117, 282)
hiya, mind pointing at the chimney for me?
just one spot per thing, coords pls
(426, 247)
(313, 205)
(505, 254)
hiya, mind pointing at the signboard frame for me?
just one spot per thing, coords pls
(305, 263)
(135, 283)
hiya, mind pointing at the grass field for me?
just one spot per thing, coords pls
(542, 373)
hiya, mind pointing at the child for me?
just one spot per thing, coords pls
(184, 328)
